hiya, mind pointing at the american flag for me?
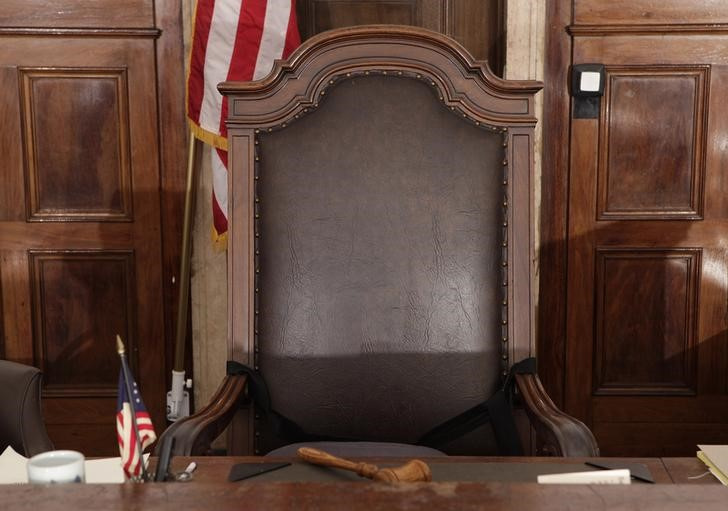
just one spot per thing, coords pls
(128, 445)
(233, 40)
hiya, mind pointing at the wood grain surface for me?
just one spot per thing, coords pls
(208, 491)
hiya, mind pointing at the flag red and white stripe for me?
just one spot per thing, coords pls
(128, 445)
(233, 40)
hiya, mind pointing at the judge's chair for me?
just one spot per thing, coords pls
(21, 420)
(380, 254)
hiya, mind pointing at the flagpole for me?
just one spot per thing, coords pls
(129, 393)
(178, 370)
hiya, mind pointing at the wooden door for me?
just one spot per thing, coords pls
(82, 198)
(647, 290)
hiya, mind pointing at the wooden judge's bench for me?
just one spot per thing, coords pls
(458, 483)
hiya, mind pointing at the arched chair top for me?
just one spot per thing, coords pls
(463, 84)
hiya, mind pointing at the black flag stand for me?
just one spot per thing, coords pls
(129, 393)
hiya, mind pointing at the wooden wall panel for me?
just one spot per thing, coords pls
(91, 129)
(661, 440)
(83, 423)
(77, 13)
(321, 15)
(652, 335)
(476, 24)
(77, 143)
(75, 349)
(645, 321)
(553, 227)
(12, 191)
(16, 306)
(646, 12)
(652, 142)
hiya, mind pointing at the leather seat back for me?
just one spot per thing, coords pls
(381, 263)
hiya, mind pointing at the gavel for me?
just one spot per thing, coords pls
(411, 472)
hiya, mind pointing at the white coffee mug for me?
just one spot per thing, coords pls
(56, 467)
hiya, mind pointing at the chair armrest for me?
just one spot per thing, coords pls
(194, 434)
(559, 434)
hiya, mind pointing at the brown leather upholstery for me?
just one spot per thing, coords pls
(21, 420)
(380, 251)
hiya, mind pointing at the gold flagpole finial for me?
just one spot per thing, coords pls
(119, 345)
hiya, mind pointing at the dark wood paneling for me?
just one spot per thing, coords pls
(76, 350)
(17, 327)
(552, 251)
(703, 409)
(76, 13)
(76, 144)
(79, 437)
(12, 191)
(321, 15)
(646, 12)
(645, 325)
(651, 439)
(93, 65)
(671, 58)
(652, 142)
(478, 25)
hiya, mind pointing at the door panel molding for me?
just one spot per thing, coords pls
(76, 350)
(76, 144)
(646, 330)
(652, 139)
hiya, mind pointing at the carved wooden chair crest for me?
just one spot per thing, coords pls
(381, 239)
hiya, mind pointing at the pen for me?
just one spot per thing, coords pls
(187, 474)
(191, 467)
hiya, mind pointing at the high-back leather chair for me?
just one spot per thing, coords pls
(380, 255)
(21, 419)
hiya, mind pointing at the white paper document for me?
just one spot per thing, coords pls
(13, 469)
(618, 476)
(715, 458)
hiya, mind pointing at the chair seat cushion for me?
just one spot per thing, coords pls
(362, 450)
